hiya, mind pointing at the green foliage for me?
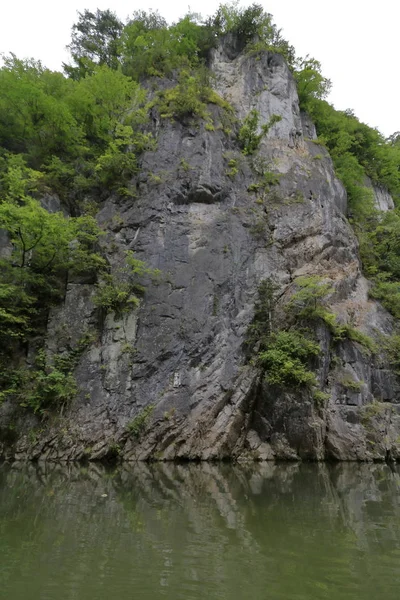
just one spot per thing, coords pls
(44, 247)
(351, 333)
(352, 384)
(269, 179)
(388, 292)
(311, 84)
(233, 169)
(71, 137)
(45, 389)
(32, 278)
(261, 326)
(379, 240)
(138, 425)
(118, 291)
(266, 180)
(81, 137)
(380, 250)
(95, 41)
(248, 136)
(264, 184)
(189, 98)
(184, 165)
(45, 385)
(371, 411)
(35, 118)
(118, 163)
(391, 348)
(284, 354)
(357, 150)
(151, 48)
(128, 348)
(147, 46)
(286, 358)
(253, 27)
(308, 302)
(320, 397)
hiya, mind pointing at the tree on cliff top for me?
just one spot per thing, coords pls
(95, 41)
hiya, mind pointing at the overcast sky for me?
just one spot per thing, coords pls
(355, 40)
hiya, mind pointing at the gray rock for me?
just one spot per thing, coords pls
(382, 199)
(5, 246)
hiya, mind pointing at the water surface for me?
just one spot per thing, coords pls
(201, 531)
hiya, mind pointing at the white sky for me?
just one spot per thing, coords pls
(355, 40)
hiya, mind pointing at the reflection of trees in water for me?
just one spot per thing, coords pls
(188, 523)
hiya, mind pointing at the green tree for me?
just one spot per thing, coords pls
(95, 41)
(253, 28)
(311, 83)
(35, 117)
(146, 45)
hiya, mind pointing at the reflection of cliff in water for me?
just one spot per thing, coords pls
(166, 526)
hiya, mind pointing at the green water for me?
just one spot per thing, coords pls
(192, 532)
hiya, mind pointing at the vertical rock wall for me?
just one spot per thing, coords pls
(170, 379)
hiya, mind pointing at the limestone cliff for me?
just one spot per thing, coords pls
(175, 367)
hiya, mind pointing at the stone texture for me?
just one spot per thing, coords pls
(181, 352)
(383, 200)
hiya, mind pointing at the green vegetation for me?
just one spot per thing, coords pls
(190, 98)
(359, 151)
(118, 290)
(285, 352)
(147, 46)
(78, 137)
(95, 41)
(184, 165)
(233, 169)
(260, 328)
(285, 359)
(351, 333)
(248, 138)
(137, 426)
(308, 305)
(352, 384)
(391, 348)
(69, 137)
(44, 248)
(371, 411)
(266, 178)
(48, 385)
(253, 28)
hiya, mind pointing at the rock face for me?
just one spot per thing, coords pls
(170, 379)
(383, 200)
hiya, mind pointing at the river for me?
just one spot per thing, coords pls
(199, 531)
